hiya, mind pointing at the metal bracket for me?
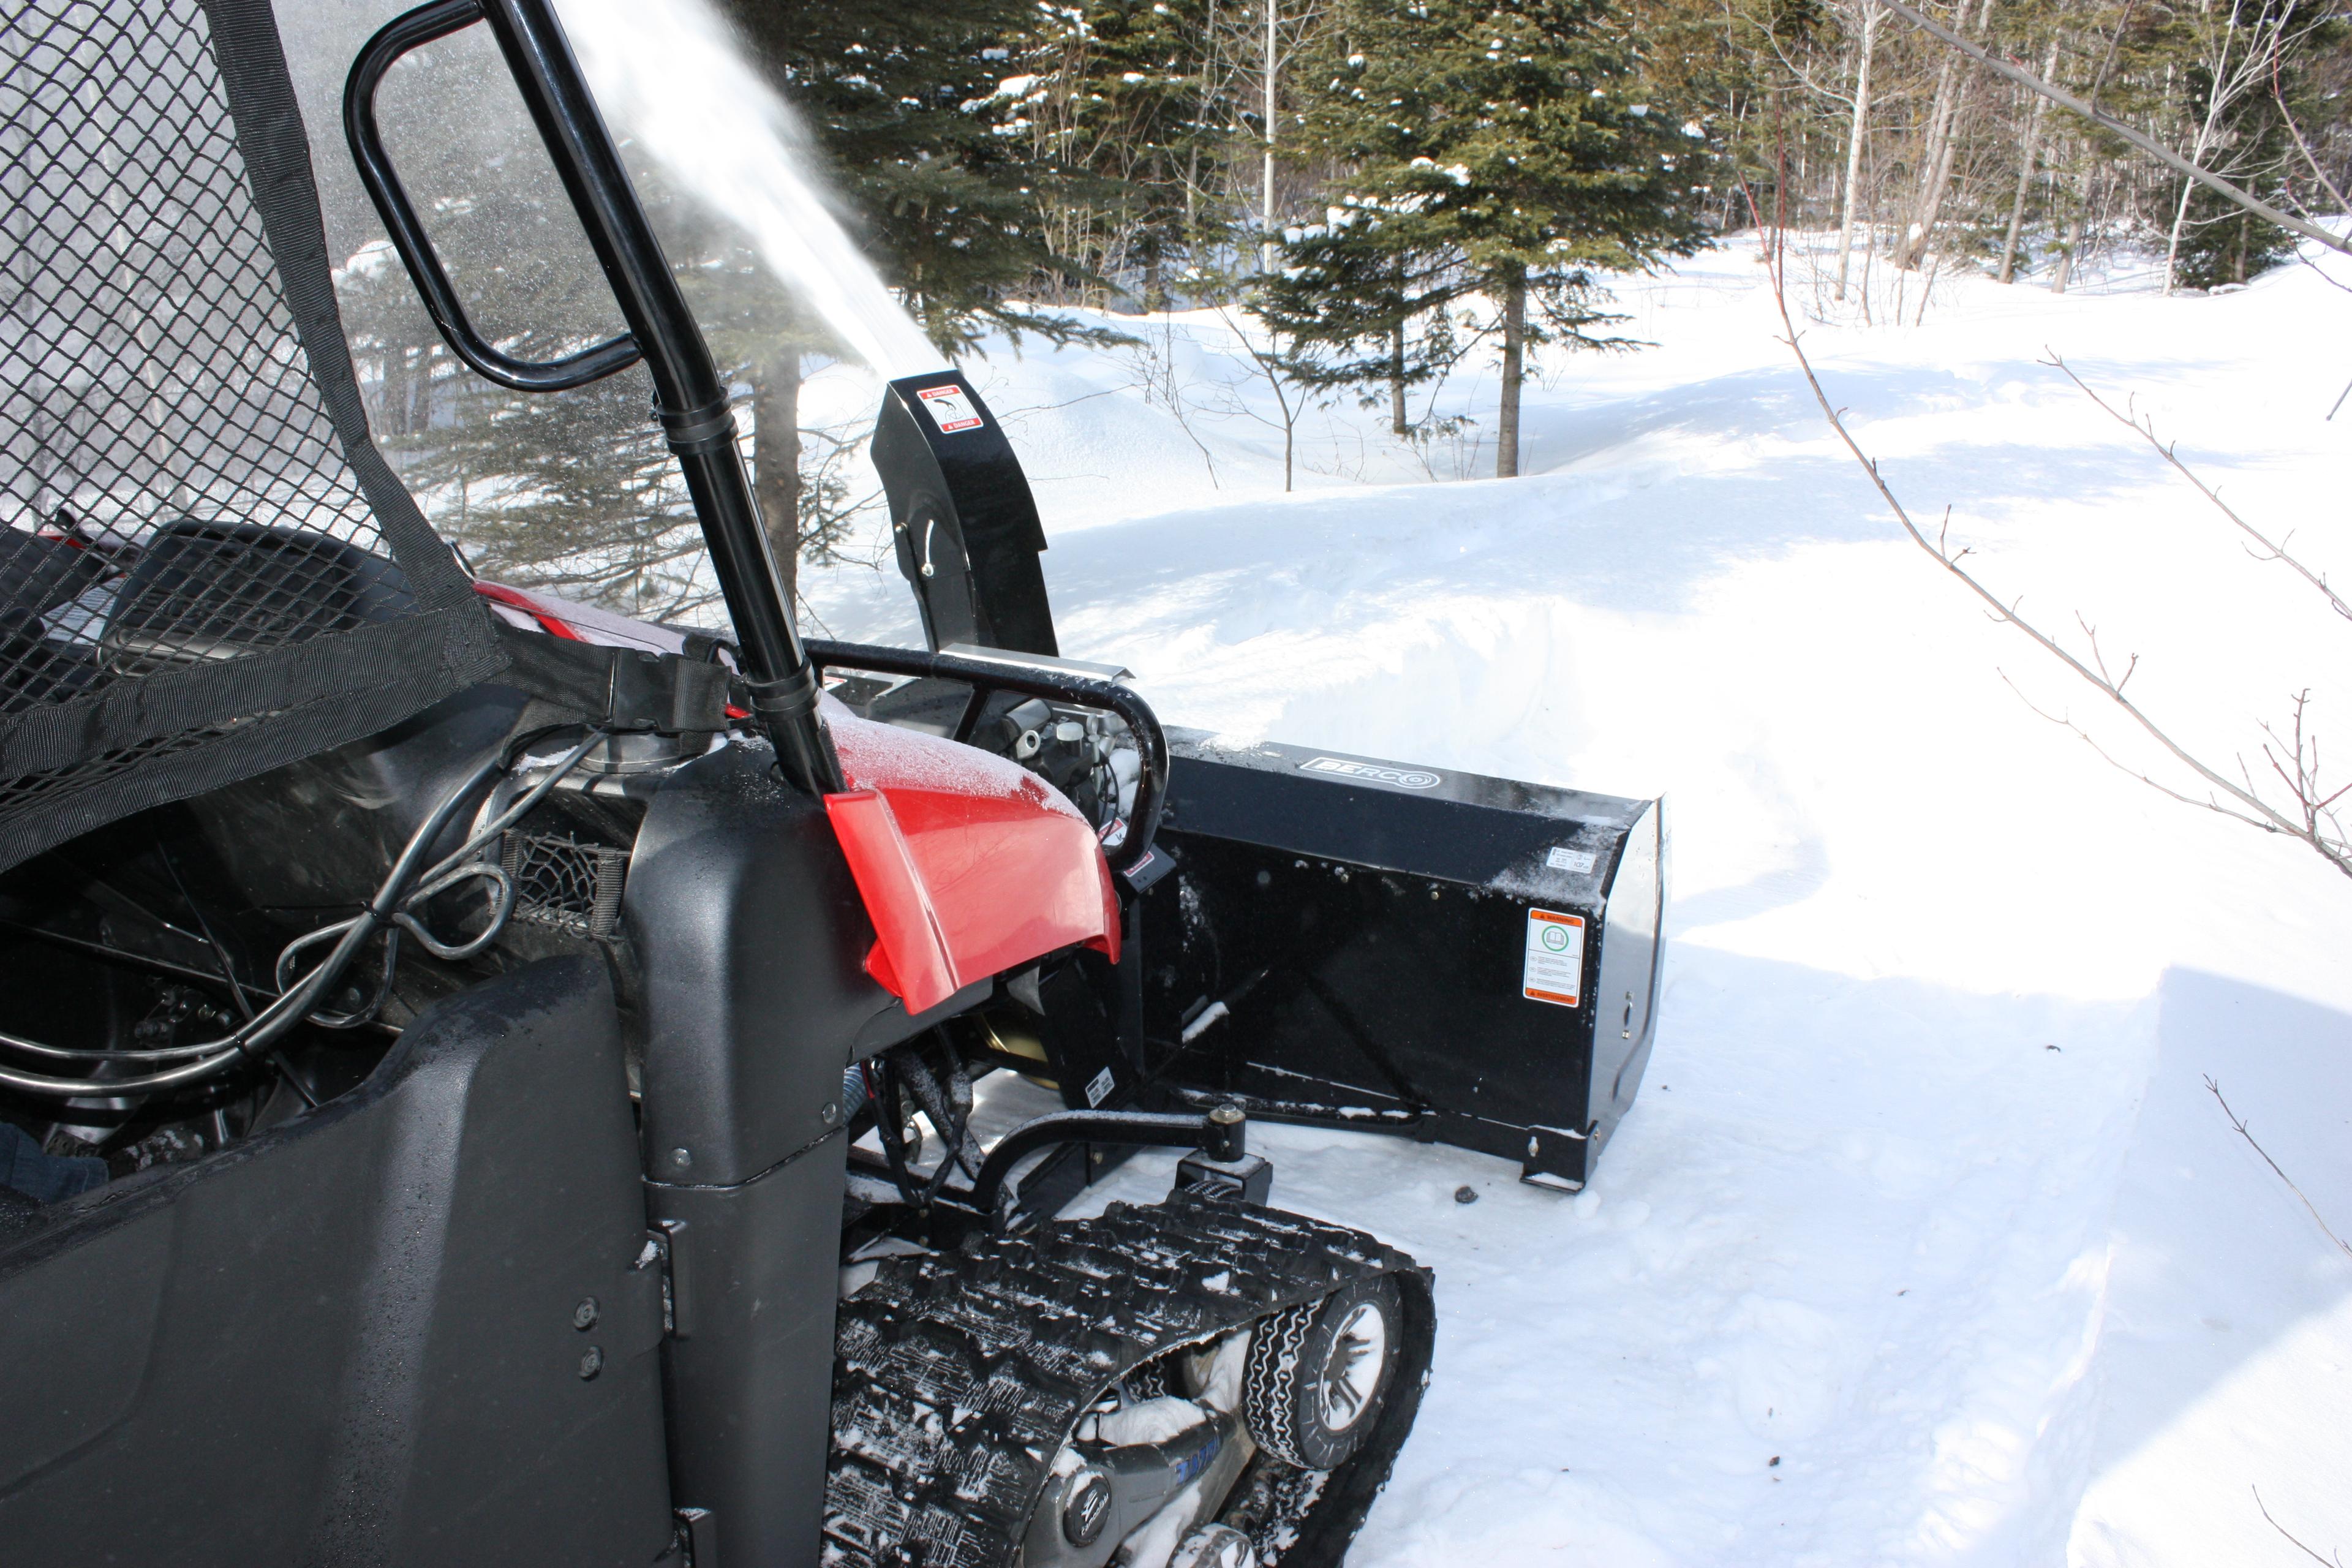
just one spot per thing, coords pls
(1249, 1179)
(661, 1251)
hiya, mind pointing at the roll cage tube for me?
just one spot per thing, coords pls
(689, 399)
(985, 675)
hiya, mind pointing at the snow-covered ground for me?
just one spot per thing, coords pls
(1925, 1243)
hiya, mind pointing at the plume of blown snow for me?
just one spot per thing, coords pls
(671, 74)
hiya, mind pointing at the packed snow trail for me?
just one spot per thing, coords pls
(1925, 1243)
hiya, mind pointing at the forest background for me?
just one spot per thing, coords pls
(1373, 193)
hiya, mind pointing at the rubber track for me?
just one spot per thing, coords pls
(958, 1378)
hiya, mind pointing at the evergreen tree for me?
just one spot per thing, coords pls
(2223, 243)
(1133, 104)
(1363, 297)
(1506, 148)
(903, 104)
(544, 495)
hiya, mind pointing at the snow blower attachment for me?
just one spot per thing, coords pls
(1315, 936)
(483, 1080)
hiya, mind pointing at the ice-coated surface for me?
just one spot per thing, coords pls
(875, 754)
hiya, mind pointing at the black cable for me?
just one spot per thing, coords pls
(955, 1134)
(366, 1012)
(277, 1060)
(959, 1089)
(296, 1000)
(889, 1128)
(452, 869)
(208, 1058)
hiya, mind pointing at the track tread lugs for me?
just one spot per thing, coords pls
(957, 1378)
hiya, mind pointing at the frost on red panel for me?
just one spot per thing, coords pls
(968, 865)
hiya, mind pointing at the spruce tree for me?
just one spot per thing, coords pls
(903, 105)
(1133, 104)
(1508, 148)
(1363, 298)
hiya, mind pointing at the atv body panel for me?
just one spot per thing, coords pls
(969, 865)
(357, 1337)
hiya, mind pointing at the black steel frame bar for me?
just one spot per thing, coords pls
(1143, 1129)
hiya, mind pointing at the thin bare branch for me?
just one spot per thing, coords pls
(2336, 1560)
(2146, 429)
(2208, 804)
(2278, 95)
(2239, 1125)
(2337, 853)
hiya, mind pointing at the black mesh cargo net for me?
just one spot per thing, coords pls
(206, 569)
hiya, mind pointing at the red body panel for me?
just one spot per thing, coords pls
(968, 865)
(571, 621)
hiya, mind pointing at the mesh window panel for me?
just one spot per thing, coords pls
(205, 569)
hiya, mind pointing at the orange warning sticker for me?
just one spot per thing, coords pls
(1555, 965)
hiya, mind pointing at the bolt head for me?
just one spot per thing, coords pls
(831, 1113)
(584, 1316)
(591, 1362)
(681, 1158)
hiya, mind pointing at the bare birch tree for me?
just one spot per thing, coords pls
(1868, 16)
(2235, 49)
(2027, 148)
